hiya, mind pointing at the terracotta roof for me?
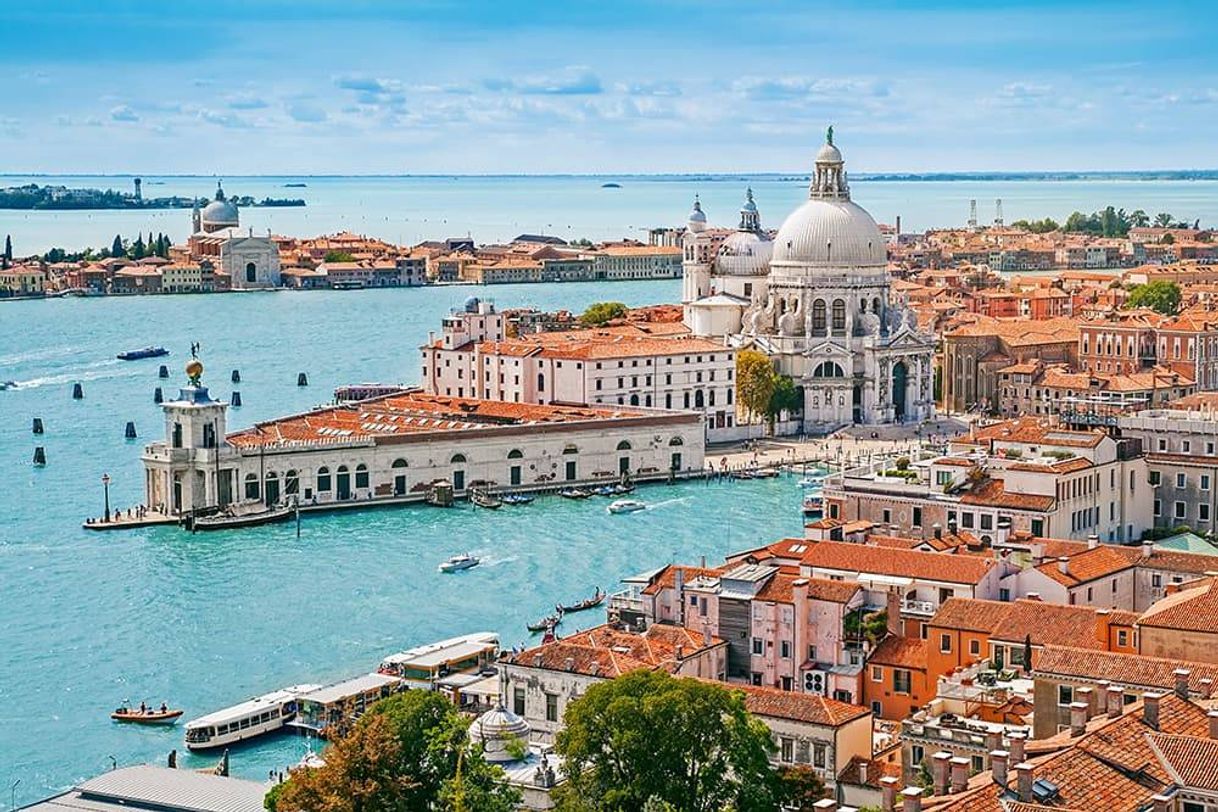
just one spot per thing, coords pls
(1049, 623)
(992, 493)
(1193, 608)
(969, 614)
(1089, 565)
(861, 558)
(876, 769)
(823, 589)
(667, 579)
(1136, 670)
(903, 652)
(1191, 761)
(608, 652)
(798, 706)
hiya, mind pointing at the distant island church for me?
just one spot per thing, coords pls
(251, 262)
(815, 298)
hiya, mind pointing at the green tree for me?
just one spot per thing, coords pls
(116, 247)
(137, 248)
(800, 787)
(406, 753)
(1163, 219)
(756, 381)
(1167, 239)
(785, 398)
(602, 313)
(339, 256)
(1139, 218)
(649, 737)
(8, 247)
(1160, 295)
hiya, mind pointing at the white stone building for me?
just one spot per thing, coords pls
(251, 262)
(816, 299)
(392, 448)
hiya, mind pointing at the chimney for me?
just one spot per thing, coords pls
(1115, 701)
(1016, 746)
(1023, 780)
(1032, 596)
(863, 772)
(911, 799)
(706, 636)
(1063, 565)
(1093, 541)
(938, 528)
(680, 651)
(1162, 803)
(594, 669)
(537, 661)
(894, 612)
(1078, 718)
(1205, 687)
(998, 766)
(569, 664)
(888, 792)
(993, 740)
(1148, 549)
(825, 805)
(1212, 718)
(1181, 675)
(940, 763)
(1150, 710)
(1087, 697)
(959, 774)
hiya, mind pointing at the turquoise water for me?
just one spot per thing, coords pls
(407, 210)
(88, 620)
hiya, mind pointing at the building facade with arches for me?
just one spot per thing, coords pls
(250, 262)
(393, 448)
(816, 299)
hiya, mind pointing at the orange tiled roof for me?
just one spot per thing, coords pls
(970, 614)
(1048, 623)
(798, 706)
(608, 652)
(1099, 562)
(992, 493)
(1151, 673)
(950, 568)
(1193, 608)
(903, 652)
(667, 579)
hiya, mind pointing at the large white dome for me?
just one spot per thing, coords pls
(744, 253)
(829, 233)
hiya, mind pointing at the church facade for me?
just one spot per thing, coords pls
(251, 262)
(816, 299)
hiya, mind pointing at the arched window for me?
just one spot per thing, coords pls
(839, 314)
(251, 272)
(699, 402)
(272, 487)
(676, 441)
(634, 400)
(570, 448)
(624, 445)
(648, 401)
(875, 305)
(828, 369)
(515, 454)
(710, 398)
(541, 382)
(323, 479)
(291, 483)
(818, 316)
(399, 463)
(361, 476)
(457, 458)
(251, 486)
(687, 400)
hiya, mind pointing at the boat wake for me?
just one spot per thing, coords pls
(98, 370)
(680, 500)
(45, 354)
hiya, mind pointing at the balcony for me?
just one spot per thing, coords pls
(915, 607)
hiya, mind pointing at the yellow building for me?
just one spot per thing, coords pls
(23, 280)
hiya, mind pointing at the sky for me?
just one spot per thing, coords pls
(431, 86)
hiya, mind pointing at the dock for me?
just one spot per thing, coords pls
(129, 520)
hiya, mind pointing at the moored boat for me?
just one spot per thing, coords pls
(146, 352)
(574, 493)
(483, 499)
(242, 514)
(627, 506)
(622, 488)
(463, 561)
(262, 714)
(814, 506)
(516, 498)
(547, 623)
(587, 603)
(147, 716)
(813, 481)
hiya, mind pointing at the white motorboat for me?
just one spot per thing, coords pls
(814, 481)
(464, 561)
(626, 506)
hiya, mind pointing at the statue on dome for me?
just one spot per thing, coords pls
(829, 136)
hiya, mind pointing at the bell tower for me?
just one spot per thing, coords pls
(697, 256)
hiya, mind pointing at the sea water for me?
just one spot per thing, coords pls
(88, 620)
(407, 210)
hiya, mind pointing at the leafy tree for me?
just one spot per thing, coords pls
(1038, 226)
(785, 398)
(1163, 219)
(406, 753)
(1139, 218)
(137, 249)
(339, 256)
(756, 381)
(648, 737)
(801, 787)
(8, 247)
(1159, 295)
(1167, 239)
(116, 248)
(602, 313)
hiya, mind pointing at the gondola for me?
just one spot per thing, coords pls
(586, 603)
(547, 623)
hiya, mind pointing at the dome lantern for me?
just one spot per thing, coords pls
(829, 176)
(697, 218)
(750, 218)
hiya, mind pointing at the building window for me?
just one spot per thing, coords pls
(818, 755)
(1155, 477)
(323, 479)
(758, 645)
(1181, 480)
(551, 707)
(945, 643)
(917, 517)
(518, 701)
(901, 681)
(1122, 638)
(1158, 508)
(1038, 527)
(1203, 513)
(785, 649)
(1065, 695)
(788, 750)
(361, 476)
(974, 648)
(877, 673)
(1205, 482)
(1179, 508)
(887, 516)
(916, 754)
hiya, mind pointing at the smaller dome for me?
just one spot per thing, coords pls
(749, 204)
(494, 730)
(829, 154)
(697, 215)
(744, 253)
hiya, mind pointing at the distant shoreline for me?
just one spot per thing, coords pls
(712, 177)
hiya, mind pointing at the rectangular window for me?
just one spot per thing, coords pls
(1038, 527)
(758, 646)
(901, 681)
(1156, 580)
(1181, 479)
(974, 648)
(788, 750)
(785, 649)
(1065, 695)
(1203, 513)
(887, 516)
(818, 755)
(987, 521)
(1122, 638)
(966, 520)
(803, 751)
(1158, 508)
(877, 673)
(945, 643)
(1205, 482)
(917, 517)
(1156, 477)
(1179, 509)
(518, 701)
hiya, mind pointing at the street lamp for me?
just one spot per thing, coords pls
(106, 488)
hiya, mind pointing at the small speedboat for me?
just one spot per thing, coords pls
(815, 481)
(574, 493)
(814, 506)
(622, 488)
(516, 499)
(7, 385)
(147, 716)
(626, 506)
(606, 490)
(485, 500)
(464, 561)
(146, 352)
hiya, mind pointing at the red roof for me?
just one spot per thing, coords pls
(861, 558)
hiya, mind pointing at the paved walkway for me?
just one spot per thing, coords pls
(127, 519)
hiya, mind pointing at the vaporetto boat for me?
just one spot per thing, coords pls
(262, 714)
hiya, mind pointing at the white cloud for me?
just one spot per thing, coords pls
(124, 113)
(574, 80)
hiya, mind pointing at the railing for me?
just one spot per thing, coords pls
(918, 607)
(625, 600)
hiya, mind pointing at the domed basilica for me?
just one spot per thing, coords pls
(816, 299)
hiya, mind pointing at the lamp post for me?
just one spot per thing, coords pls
(106, 490)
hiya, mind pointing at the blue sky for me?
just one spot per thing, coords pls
(358, 86)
